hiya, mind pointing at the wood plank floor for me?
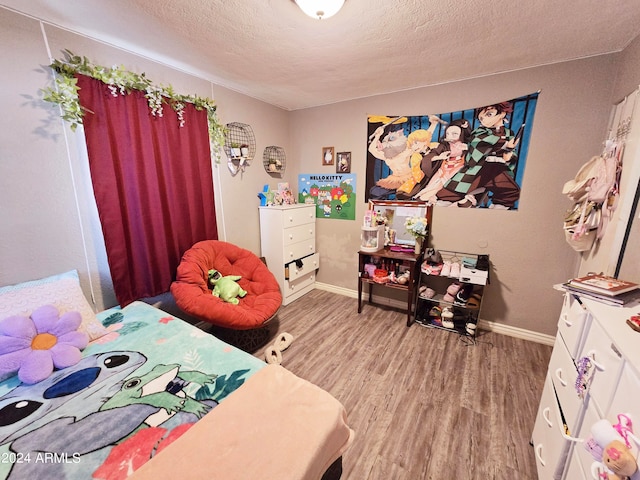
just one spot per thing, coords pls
(423, 403)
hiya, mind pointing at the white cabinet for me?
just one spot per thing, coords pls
(288, 243)
(586, 329)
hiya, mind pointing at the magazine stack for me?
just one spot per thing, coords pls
(605, 289)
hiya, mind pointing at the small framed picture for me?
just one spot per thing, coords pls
(327, 155)
(343, 162)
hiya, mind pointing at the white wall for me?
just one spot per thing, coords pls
(42, 225)
(48, 218)
(606, 254)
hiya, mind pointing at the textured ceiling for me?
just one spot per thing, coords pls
(270, 50)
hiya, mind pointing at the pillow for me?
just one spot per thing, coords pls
(62, 291)
(35, 346)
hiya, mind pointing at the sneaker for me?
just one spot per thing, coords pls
(474, 301)
(463, 295)
(447, 318)
(455, 270)
(434, 315)
(452, 290)
(470, 328)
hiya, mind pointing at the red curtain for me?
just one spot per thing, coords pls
(153, 185)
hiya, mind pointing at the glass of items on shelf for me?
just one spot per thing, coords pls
(374, 232)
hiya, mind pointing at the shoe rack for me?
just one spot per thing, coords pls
(450, 289)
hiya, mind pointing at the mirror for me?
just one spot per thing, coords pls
(397, 212)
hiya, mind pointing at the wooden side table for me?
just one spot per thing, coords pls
(408, 259)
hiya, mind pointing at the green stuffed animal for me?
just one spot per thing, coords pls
(226, 288)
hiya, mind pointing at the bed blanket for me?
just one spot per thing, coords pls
(277, 426)
(135, 391)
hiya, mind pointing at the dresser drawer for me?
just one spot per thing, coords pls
(310, 263)
(300, 283)
(563, 373)
(550, 446)
(608, 364)
(625, 401)
(573, 320)
(299, 234)
(575, 470)
(298, 216)
(298, 250)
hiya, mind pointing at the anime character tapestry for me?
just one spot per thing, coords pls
(469, 158)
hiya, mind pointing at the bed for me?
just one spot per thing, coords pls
(155, 397)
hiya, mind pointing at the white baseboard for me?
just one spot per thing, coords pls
(482, 324)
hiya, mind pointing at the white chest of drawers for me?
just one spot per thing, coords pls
(586, 329)
(288, 243)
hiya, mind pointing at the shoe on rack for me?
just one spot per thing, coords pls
(474, 301)
(447, 318)
(452, 290)
(459, 319)
(435, 269)
(455, 270)
(446, 268)
(431, 268)
(434, 315)
(470, 328)
(463, 295)
(469, 262)
(483, 262)
(427, 292)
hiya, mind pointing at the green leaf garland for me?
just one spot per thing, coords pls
(64, 93)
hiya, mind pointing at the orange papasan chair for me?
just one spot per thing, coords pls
(193, 295)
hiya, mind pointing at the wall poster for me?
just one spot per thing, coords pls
(468, 158)
(333, 195)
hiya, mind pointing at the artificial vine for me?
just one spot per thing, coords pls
(64, 93)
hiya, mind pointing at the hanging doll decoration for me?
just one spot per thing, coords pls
(611, 447)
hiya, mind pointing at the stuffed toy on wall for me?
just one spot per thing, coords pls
(226, 287)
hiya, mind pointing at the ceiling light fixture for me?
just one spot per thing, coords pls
(320, 9)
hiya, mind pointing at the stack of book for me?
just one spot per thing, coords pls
(603, 288)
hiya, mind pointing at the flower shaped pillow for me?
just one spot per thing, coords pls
(35, 346)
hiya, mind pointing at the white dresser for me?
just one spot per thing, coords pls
(288, 243)
(586, 329)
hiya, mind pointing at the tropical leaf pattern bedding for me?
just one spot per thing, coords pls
(136, 390)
